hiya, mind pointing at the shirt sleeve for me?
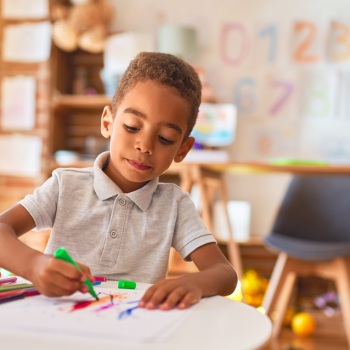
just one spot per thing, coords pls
(190, 231)
(42, 204)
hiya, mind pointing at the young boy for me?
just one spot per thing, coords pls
(115, 217)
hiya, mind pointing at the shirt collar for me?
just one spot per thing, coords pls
(105, 188)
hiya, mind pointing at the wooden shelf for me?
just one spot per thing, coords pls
(81, 101)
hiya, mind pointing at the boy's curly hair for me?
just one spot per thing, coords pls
(165, 69)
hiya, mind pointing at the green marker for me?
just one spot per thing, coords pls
(62, 254)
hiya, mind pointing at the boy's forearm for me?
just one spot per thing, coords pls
(219, 279)
(14, 255)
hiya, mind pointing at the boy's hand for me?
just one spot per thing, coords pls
(170, 292)
(54, 277)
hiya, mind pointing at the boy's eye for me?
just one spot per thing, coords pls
(165, 141)
(130, 128)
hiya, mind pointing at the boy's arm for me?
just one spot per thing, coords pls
(215, 277)
(51, 277)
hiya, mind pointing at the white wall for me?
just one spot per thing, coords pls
(264, 192)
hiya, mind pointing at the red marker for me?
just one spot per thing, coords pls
(8, 280)
(100, 279)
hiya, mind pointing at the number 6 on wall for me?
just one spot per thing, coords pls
(244, 95)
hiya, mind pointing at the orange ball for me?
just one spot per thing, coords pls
(303, 324)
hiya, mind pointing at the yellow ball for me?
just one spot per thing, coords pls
(303, 324)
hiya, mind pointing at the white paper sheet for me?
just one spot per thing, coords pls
(19, 9)
(308, 46)
(248, 94)
(20, 155)
(270, 44)
(216, 124)
(116, 318)
(273, 142)
(27, 42)
(319, 93)
(120, 49)
(338, 43)
(18, 103)
(280, 95)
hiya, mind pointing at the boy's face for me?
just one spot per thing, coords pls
(146, 133)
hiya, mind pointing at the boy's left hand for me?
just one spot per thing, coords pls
(170, 292)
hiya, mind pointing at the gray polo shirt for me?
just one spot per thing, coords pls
(118, 235)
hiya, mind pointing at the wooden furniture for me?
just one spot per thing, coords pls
(15, 188)
(216, 323)
(210, 178)
(283, 280)
(311, 231)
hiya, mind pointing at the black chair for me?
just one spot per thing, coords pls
(312, 235)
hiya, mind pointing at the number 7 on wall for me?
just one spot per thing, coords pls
(287, 89)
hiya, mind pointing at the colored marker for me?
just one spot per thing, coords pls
(96, 283)
(100, 279)
(15, 286)
(62, 254)
(16, 296)
(126, 284)
(8, 280)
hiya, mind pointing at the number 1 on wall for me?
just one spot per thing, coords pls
(270, 32)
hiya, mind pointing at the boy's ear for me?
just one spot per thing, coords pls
(184, 149)
(107, 122)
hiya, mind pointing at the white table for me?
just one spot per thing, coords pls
(219, 323)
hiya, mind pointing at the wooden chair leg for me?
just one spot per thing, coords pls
(282, 302)
(233, 249)
(343, 286)
(279, 274)
(186, 181)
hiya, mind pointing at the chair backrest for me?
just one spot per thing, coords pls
(316, 208)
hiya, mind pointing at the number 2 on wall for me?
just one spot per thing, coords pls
(300, 54)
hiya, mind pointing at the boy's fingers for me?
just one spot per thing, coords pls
(158, 296)
(173, 298)
(87, 272)
(147, 296)
(52, 290)
(66, 269)
(68, 285)
(188, 300)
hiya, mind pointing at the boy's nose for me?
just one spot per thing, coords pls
(144, 147)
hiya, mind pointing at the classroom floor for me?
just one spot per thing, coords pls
(329, 335)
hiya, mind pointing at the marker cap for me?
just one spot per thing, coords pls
(126, 284)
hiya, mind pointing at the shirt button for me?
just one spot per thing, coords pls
(113, 234)
(122, 201)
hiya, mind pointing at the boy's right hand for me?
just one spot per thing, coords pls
(54, 277)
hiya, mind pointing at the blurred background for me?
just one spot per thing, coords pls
(276, 84)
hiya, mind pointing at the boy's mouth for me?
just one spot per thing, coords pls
(138, 165)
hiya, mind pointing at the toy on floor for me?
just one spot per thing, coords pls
(254, 288)
(303, 324)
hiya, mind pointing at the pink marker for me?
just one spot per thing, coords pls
(8, 280)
